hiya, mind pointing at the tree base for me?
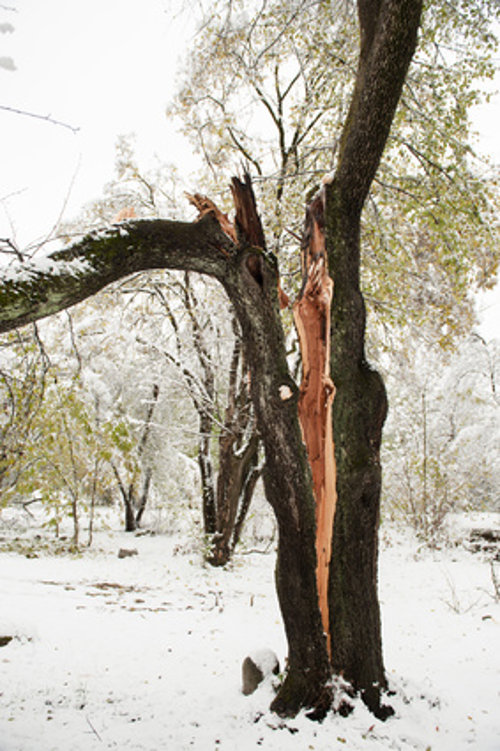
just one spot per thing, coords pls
(372, 698)
(300, 691)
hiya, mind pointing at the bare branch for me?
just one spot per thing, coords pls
(46, 118)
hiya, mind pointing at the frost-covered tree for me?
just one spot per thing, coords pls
(22, 386)
(440, 449)
(190, 327)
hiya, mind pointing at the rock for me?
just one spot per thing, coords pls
(4, 640)
(127, 553)
(256, 667)
(485, 540)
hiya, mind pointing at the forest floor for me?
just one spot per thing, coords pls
(145, 652)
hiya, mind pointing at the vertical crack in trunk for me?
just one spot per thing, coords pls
(317, 391)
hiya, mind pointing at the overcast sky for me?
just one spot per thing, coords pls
(106, 67)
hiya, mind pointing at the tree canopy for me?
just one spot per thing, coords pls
(273, 89)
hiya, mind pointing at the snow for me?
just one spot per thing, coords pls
(145, 652)
(265, 660)
(22, 272)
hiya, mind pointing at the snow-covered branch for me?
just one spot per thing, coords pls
(37, 288)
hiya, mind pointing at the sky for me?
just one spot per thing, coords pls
(106, 68)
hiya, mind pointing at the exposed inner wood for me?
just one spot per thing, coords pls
(205, 205)
(317, 391)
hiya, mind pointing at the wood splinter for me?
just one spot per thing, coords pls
(317, 391)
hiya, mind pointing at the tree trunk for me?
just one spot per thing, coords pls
(206, 476)
(126, 494)
(244, 505)
(128, 501)
(359, 411)
(388, 39)
(235, 469)
(253, 290)
(144, 496)
(238, 456)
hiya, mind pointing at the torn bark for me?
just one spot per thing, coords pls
(317, 391)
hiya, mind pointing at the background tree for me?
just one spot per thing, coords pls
(192, 333)
(58, 446)
(440, 448)
(227, 435)
(22, 387)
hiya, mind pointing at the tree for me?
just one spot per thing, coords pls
(226, 500)
(50, 437)
(249, 274)
(440, 442)
(22, 388)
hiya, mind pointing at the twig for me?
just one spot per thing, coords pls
(93, 729)
(47, 118)
(25, 505)
(12, 248)
(496, 583)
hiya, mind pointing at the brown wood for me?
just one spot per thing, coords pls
(205, 205)
(317, 391)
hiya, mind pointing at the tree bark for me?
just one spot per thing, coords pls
(238, 456)
(38, 288)
(235, 470)
(359, 411)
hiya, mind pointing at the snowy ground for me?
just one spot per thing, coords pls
(145, 652)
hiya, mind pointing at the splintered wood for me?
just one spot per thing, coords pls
(312, 319)
(205, 205)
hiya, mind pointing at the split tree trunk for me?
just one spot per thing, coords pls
(312, 319)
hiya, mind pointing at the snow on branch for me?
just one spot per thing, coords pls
(33, 289)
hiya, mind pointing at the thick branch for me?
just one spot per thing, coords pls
(38, 288)
(388, 39)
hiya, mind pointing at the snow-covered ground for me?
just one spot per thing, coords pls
(145, 652)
